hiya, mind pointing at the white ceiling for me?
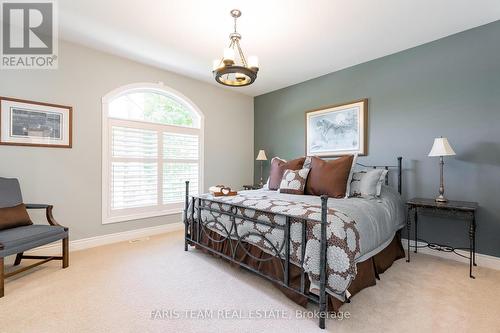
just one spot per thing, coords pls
(295, 40)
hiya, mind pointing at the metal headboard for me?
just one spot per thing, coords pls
(387, 167)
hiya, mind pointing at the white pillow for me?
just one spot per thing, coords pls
(266, 185)
(367, 183)
(353, 165)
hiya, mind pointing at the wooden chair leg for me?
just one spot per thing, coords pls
(65, 251)
(19, 257)
(1, 278)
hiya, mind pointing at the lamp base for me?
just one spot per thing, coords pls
(261, 177)
(441, 199)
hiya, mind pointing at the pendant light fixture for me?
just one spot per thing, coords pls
(233, 69)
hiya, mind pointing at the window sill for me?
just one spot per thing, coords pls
(138, 216)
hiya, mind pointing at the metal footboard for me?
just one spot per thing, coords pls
(195, 227)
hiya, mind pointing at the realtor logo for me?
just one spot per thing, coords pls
(29, 34)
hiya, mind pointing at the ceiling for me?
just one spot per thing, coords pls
(295, 40)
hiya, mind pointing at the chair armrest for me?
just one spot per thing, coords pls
(48, 213)
(36, 206)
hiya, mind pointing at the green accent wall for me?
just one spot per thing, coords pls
(449, 87)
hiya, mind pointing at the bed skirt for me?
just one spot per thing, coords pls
(368, 270)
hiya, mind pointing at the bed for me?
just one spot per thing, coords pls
(313, 248)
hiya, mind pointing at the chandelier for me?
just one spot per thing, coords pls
(233, 69)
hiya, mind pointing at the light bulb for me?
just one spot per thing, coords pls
(253, 62)
(228, 55)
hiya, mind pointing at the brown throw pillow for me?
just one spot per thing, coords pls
(278, 167)
(12, 217)
(329, 177)
(294, 181)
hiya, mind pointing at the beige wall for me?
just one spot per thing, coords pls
(70, 179)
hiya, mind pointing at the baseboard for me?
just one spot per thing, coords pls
(87, 243)
(482, 260)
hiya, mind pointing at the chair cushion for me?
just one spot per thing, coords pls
(20, 239)
(12, 217)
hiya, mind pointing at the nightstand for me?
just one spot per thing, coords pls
(454, 209)
(251, 187)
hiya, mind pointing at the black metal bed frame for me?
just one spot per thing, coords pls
(192, 236)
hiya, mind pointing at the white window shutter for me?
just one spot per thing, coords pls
(134, 170)
(181, 163)
(151, 147)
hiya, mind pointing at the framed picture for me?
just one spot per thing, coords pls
(28, 123)
(337, 130)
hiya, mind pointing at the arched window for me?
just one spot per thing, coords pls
(152, 144)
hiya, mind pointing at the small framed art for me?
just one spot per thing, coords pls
(28, 123)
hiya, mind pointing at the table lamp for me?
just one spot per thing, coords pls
(441, 147)
(261, 156)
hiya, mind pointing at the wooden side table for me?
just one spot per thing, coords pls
(457, 209)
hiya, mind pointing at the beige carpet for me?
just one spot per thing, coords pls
(115, 288)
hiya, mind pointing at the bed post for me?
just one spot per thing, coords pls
(186, 220)
(322, 264)
(400, 171)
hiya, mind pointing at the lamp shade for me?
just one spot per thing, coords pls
(441, 147)
(253, 62)
(261, 156)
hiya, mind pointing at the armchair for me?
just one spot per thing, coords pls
(20, 239)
